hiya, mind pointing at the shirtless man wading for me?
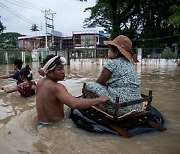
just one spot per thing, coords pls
(51, 96)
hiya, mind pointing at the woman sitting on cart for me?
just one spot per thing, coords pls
(118, 77)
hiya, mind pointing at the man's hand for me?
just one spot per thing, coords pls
(4, 88)
(103, 98)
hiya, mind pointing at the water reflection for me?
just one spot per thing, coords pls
(19, 132)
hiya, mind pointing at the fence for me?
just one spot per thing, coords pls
(88, 53)
(158, 53)
(8, 56)
(151, 53)
(85, 53)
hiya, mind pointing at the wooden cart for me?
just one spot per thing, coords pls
(131, 119)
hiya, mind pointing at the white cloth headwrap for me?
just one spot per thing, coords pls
(50, 61)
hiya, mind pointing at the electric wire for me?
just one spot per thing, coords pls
(159, 38)
(13, 12)
(17, 23)
(21, 3)
(24, 6)
(16, 14)
(30, 4)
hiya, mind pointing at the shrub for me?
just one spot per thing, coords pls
(168, 54)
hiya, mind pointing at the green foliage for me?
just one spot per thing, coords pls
(34, 28)
(174, 19)
(168, 54)
(2, 60)
(86, 42)
(28, 56)
(136, 19)
(13, 54)
(9, 40)
(2, 28)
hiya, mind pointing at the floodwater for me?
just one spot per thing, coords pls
(19, 132)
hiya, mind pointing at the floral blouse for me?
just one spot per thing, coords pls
(123, 83)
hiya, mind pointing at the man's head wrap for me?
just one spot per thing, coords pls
(47, 67)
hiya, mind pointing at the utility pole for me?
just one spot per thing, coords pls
(52, 29)
(49, 17)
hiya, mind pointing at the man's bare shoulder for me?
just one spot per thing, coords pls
(50, 84)
(60, 86)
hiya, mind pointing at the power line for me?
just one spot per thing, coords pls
(16, 14)
(151, 39)
(21, 5)
(32, 5)
(17, 23)
(24, 4)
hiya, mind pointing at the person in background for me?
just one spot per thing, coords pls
(51, 96)
(41, 72)
(40, 69)
(118, 77)
(15, 73)
(27, 87)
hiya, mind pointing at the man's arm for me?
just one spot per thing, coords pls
(6, 76)
(33, 87)
(11, 71)
(41, 72)
(80, 103)
(9, 90)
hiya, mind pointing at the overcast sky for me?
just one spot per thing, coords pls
(19, 15)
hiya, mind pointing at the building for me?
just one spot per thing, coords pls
(39, 41)
(88, 39)
(55, 41)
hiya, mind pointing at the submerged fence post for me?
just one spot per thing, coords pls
(67, 56)
(23, 57)
(42, 55)
(139, 54)
(6, 57)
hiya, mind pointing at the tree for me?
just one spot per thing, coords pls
(2, 28)
(9, 39)
(114, 15)
(174, 19)
(155, 32)
(138, 19)
(34, 28)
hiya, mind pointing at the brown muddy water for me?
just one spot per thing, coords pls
(19, 132)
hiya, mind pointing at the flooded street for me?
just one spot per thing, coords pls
(19, 132)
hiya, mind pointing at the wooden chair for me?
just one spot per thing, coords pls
(133, 118)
